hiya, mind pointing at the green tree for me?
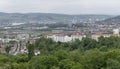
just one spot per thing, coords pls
(88, 43)
(43, 62)
(30, 50)
(113, 64)
(66, 64)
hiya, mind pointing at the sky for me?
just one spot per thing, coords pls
(111, 7)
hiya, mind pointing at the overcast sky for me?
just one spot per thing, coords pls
(62, 6)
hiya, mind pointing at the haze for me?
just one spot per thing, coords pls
(61, 6)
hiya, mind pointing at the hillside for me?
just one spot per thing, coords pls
(6, 18)
(113, 20)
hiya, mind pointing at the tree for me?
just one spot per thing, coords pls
(43, 62)
(7, 49)
(75, 44)
(77, 66)
(30, 50)
(61, 54)
(113, 64)
(88, 43)
(66, 64)
(93, 59)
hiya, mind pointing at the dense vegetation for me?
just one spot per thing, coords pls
(85, 54)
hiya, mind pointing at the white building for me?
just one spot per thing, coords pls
(6, 40)
(65, 38)
(96, 36)
(36, 52)
(23, 36)
(77, 37)
(116, 31)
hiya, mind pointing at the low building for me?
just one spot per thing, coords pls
(66, 37)
(23, 36)
(36, 52)
(96, 36)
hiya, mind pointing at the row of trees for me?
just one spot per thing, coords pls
(85, 54)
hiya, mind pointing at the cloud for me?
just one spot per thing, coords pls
(62, 6)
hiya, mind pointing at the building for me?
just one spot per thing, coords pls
(23, 36)
(36, 52)
(96, 36)
(116, 32)
(66, 37)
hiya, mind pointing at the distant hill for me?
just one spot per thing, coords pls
(112, 20)
(8, 18)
